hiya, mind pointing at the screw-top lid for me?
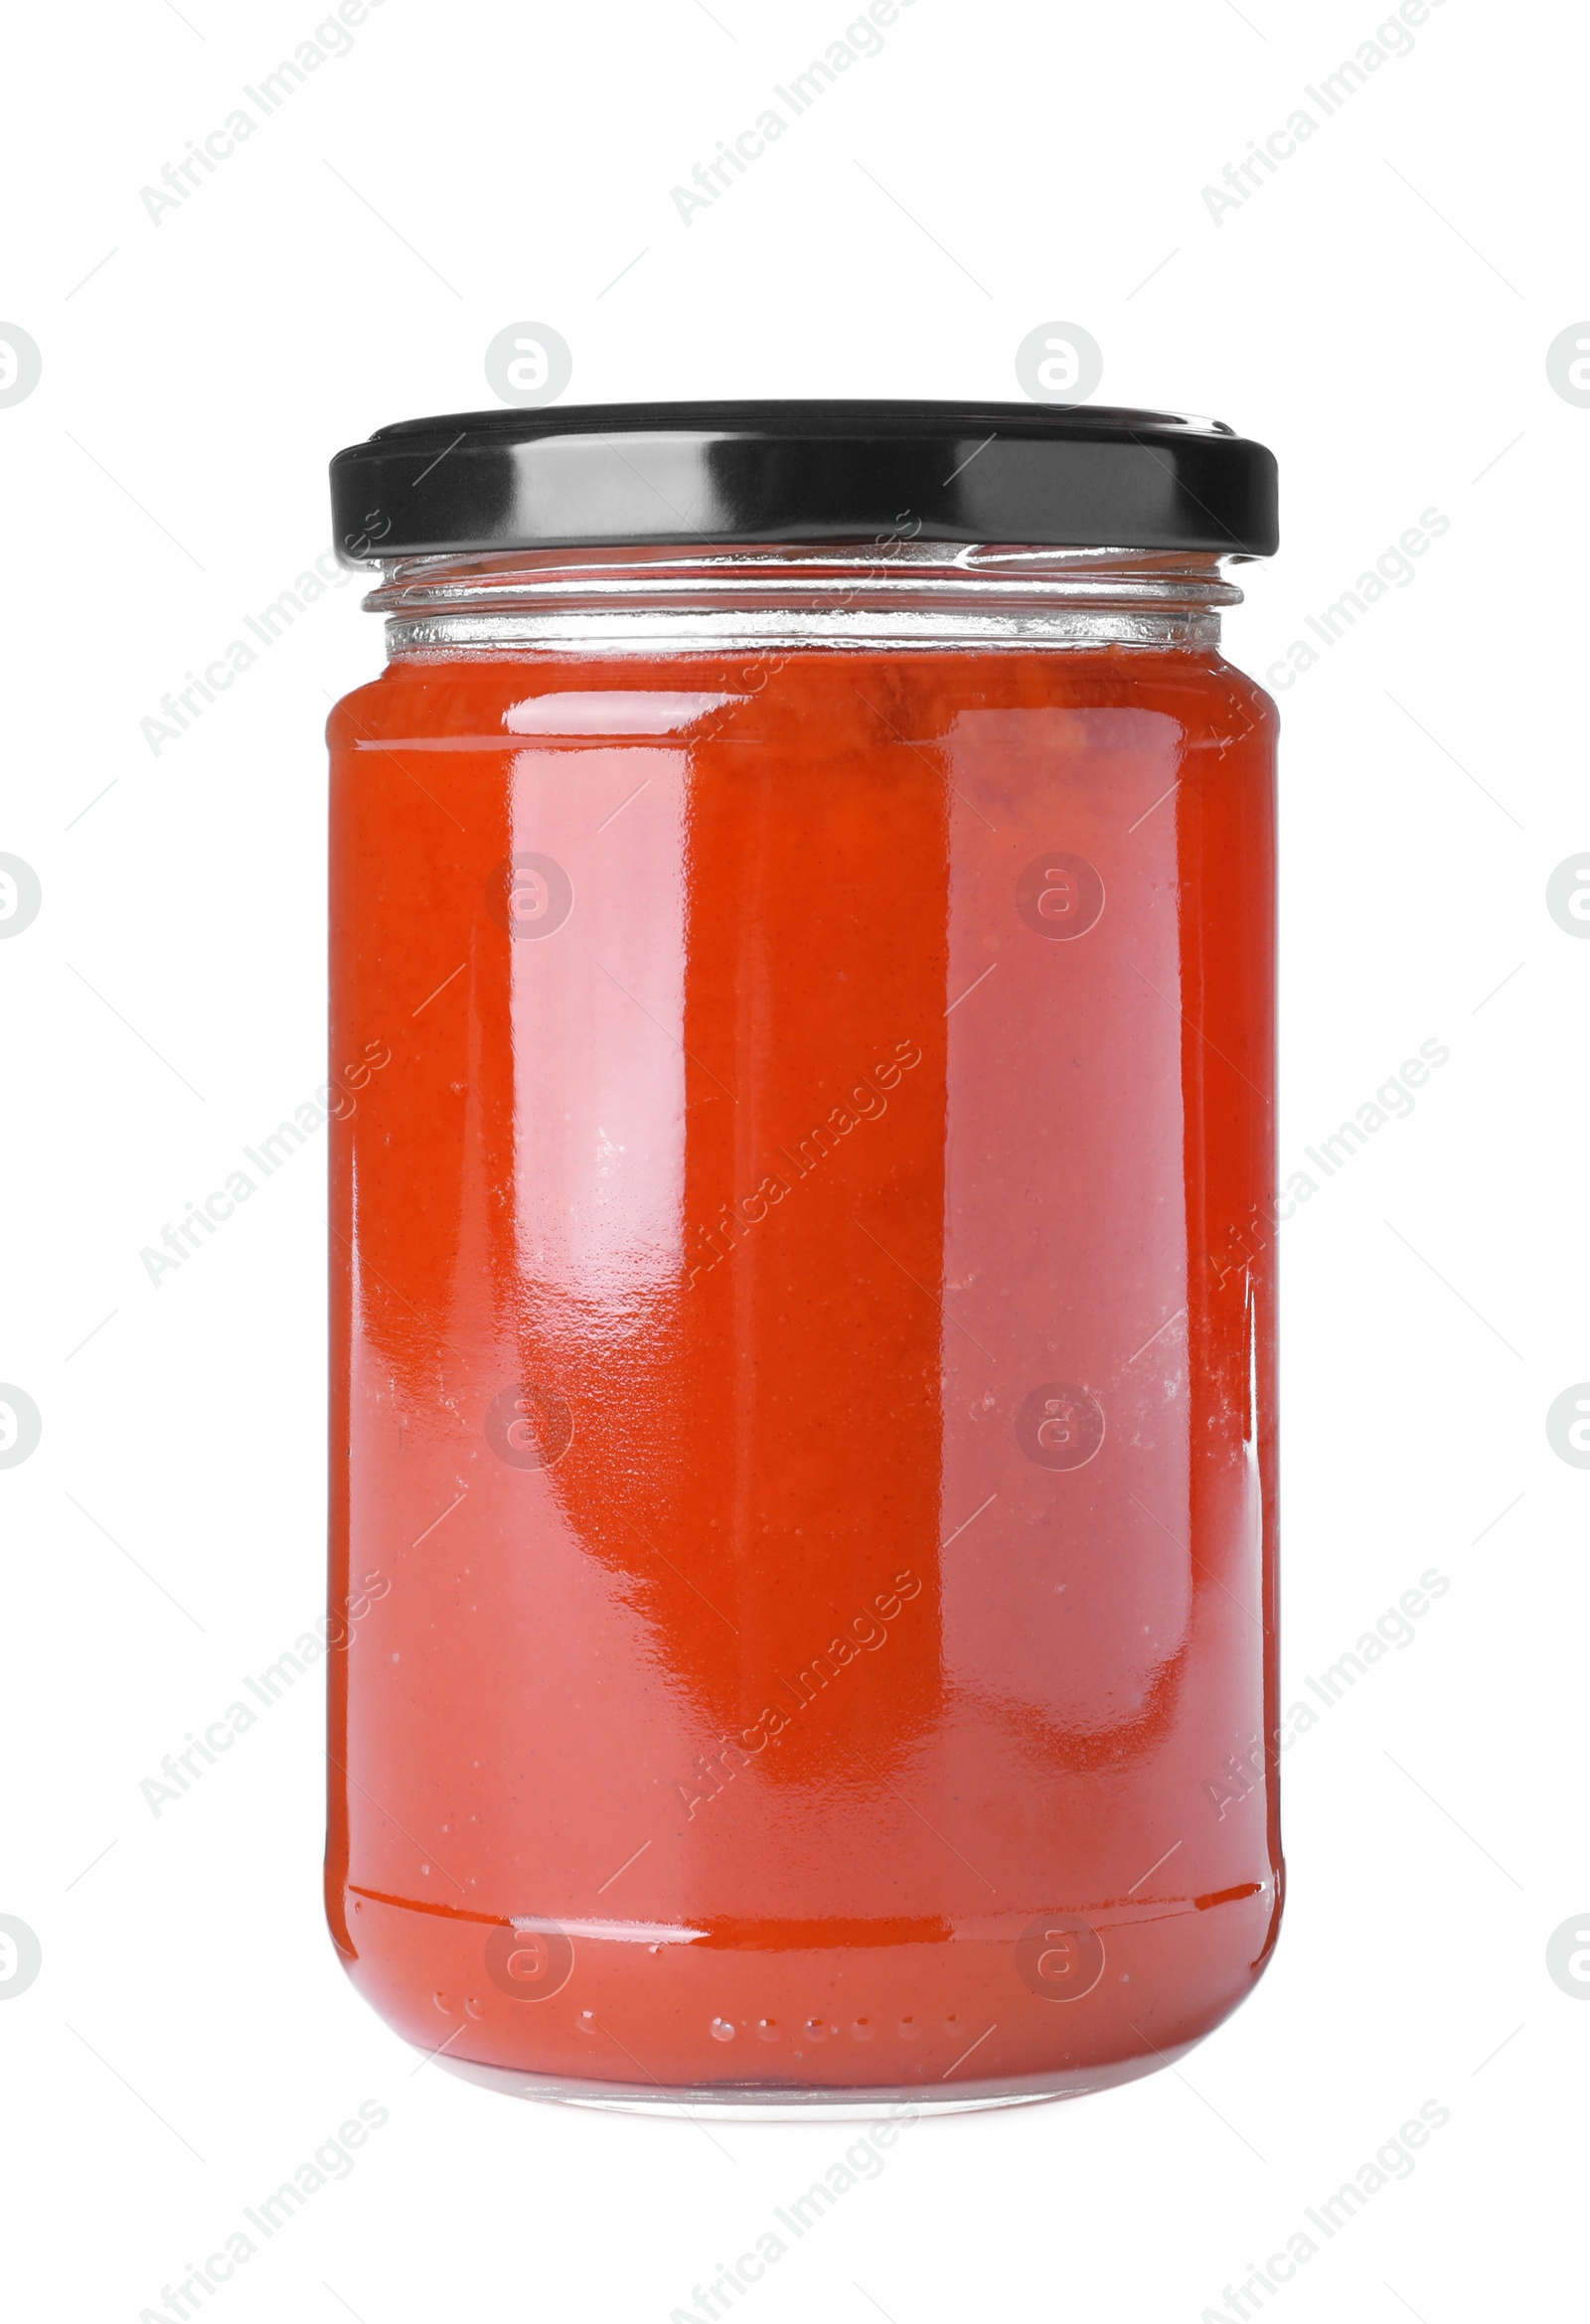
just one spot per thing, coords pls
(610, 475)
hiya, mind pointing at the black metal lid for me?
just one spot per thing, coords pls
(604, 475)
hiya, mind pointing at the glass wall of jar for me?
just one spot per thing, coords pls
(803, 1292)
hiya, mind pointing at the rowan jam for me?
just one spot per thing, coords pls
(796, 1351)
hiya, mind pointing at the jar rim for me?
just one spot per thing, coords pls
(715, 597)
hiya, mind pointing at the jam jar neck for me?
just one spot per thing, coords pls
(707, 600)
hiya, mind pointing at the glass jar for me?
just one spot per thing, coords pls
(803, 1440)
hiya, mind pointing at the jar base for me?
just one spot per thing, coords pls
(642, 2022)
(773, 2103)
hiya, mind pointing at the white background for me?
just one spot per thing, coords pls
(1379, 310)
